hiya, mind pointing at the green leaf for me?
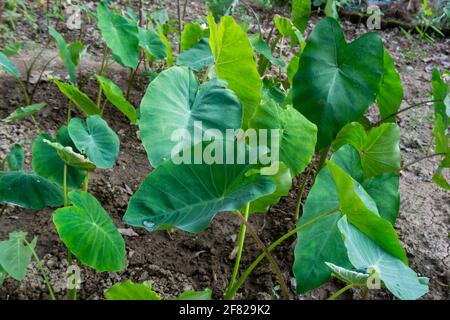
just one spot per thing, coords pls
(188, 196)
(128, 290)
(196, 295)
(24, 112)
(15, 158)
(336, 82)
(95, 139)
(384, 191)
(12, 49)
(164, 115)
(331, 10)
(70, 157)
(168, 47)
(47, 163)
(390, 95)
(365, 254)
(297, 135)
(198, 57)
(120, 35)
(9, 66)
(379, 149)
(235, 63)
(262, 48)
(151, 42)
(80, 99)
(440, 94)
(3, 275)
(116, 98)
(65, 55)
(89, 233)
(15, 255)
(321, 242)
(28, 190)
(440, 136)
(191, 35)
(348, 276)
(292, 68)
(353, 203)
(300, 14)
(77, 49)
(283, 182)
(220, 8)
(439, 178)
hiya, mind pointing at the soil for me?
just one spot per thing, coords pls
(180, 261)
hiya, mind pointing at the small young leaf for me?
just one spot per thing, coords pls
(15, 255)
(77, 49)
(89, 233)
(23, 112)
(191, 35)
(28, 190)
(128, 290)
(80, 99)
(95, 139)
(15, 158)
(198, 57)
(12, 49)
(196, 295)
(300, 14)
(151, 42)
(70, 157)
(8, 66)
(348, 276)
(65, 54)
(262, 48)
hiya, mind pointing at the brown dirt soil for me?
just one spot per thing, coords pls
(180, 261)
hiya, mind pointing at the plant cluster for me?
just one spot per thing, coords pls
(223, 78)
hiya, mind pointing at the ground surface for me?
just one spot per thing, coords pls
(181, 261)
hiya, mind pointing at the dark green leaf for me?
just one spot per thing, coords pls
(15, 158)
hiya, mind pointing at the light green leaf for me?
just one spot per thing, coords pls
(120, 35)
(8, 66)
(47, 163)
(365, 254)
(65, 55)
(331, 10)
(196, 295)
(3, 275)
(95, 139)
(163, 114)
(390, 95)
(188, 196)
(15, 255)
(116, 98)
(441, 142)
(292, 68)
(353, 203)
(296, 138)
(151, 42)
(198, 57)
(89, 233)
(128, 290)
(12, 49)
(80, 99)
(28, 190)
(348, 276)
(300, 14)
(336, 82)
(235, 63)
(191, 35)
(70, 157)
(168, 47)
(77, 50)
(23, 112)
(440, 94)
(15, 158)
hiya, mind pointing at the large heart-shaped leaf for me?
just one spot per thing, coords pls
(8, 66)
(391, 90)
(336, 82)
(15, 255)
(95, 139)
(321, 242)
(174, 102)
(365, 254)
(296, 136)
(47, 163)
(379, 148)
(65, 55)
(235, 63)
(128, 290)
(89, 233)
(115, 96)
(24, 112)
(151, 42)
(120, 35)
(188, 196)
(78, 98)
(29, 190)
(198, 57)
(15, 158)
(364, 215)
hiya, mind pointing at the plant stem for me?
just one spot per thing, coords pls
(100, 73)
(24, 89)
(86, 181)
(248, 271)
(33, 91)
(422, 158)
(65, 185)
(180, 24)
(41, 268)
(275, 267)
(341, 291)
(323, 154)
(300, 194)
(412, 106)
(69, 112)
(241, 240)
